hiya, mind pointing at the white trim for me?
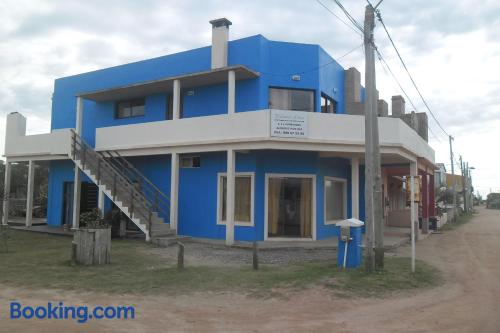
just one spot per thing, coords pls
(266, 195)
(252, 198)
(344, 183)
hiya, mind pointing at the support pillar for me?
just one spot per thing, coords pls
(29, 194)
(176, 105)
(231, 92)
(230, 177)
(101, 199)
(425, 203)
(355, 187)
(174, 190)
(432, 196)
(77, 185)
(6, 193)
(414, 208)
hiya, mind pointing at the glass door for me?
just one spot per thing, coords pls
(289, 207)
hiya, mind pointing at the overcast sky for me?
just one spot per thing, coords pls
(451, 47)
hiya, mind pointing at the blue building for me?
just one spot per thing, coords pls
(243, 140)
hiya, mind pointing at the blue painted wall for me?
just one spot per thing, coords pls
(198, 190)
(275, 61)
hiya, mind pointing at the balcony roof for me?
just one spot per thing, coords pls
(191, 80)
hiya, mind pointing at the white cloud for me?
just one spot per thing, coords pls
(451, 47)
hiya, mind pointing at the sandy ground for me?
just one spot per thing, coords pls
(468, 302)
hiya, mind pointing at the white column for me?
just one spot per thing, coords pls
(230, 176)
(231, 92)
(6, 193)
(77, 185)
(355, 187)
(174, 190)
(414, 173)
(101, 199)
(176, 105)
(413, 212)
(29, 194)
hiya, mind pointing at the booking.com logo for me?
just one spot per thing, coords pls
(59, 311)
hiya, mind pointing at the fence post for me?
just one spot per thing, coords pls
(73, 252)
(255, 257)
(180, 256)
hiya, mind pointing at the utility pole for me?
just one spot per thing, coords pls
(369, 25)
(464, 183)
(454, 180)
(373, 179)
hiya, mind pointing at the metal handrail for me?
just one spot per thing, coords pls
(104, 167)
(161, 202)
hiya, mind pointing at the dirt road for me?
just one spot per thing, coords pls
(468, 302)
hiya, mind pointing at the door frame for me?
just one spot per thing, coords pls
(313, 203)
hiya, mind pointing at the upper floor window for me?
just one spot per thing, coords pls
(130, 108)
(291, 99)
(328, 104)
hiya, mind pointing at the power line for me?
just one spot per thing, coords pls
(349, 16)
(379, 16)
(317, 67)
(385, 65)
(338, 17)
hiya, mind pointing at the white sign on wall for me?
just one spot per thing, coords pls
(289, 124)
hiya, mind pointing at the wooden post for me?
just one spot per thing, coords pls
(73, 252)
(255, 257)
(180, 256)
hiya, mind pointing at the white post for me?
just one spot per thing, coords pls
(230, 178)
(77, 185)
(6, 193)
(176, 105)
(413, 172)
(100, 203)
(231, 92)
(29, 194)
(174, 190)
(355, 187)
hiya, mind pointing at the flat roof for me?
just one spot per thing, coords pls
(191, 80)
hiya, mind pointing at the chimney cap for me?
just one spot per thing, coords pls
(221, 22)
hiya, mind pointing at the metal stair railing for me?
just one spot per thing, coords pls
(107, 174)
(160, 201)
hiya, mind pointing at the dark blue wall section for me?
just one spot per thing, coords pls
(276, 62)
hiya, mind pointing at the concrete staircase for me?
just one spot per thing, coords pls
(135, 195)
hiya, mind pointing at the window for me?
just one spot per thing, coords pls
(291, 99)
(190, 162)
(328, 104)
(335, 200)
(131, 108)
(243, 201)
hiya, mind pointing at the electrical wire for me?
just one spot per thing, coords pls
(338, 17)
(379, 16)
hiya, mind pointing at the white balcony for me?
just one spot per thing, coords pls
(335, 134)
(252, 130)
(48, 146)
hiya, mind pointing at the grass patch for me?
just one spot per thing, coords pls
(461, 220)
(42, 261)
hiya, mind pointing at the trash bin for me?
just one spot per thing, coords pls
(349, 248)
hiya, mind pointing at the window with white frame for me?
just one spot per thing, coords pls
(190, 162)
(291, 99)
(335, 199)
(243, 199)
